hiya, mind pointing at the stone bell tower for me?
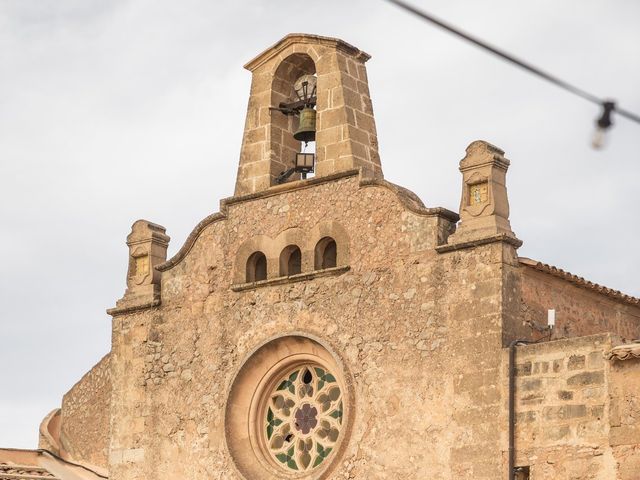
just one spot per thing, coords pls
(346, 133)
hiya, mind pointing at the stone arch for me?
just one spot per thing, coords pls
(322, 234)
(283, 147)
(256, 267)
(346, 136)
(290, 261)
(259, 243)
(326, 253)
(294, 237)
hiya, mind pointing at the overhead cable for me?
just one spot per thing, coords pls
(510, 58)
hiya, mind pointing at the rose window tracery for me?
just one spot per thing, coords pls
(303, 418)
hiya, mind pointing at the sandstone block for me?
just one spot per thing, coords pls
(586, 378)
(576, 362)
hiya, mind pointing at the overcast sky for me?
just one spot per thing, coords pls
(111, 111)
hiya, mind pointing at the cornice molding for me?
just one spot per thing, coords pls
(304, 38)
(501, 237)
(116, 311)
(240, 287)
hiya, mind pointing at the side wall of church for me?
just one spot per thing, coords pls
(129, 409)
(575, 410)
(579, 311)
(85, 416)
(418, 334)
(624, 431)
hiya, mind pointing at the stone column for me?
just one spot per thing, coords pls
(147, 244)
(484, 206)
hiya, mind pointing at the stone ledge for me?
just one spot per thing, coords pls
(502, 237)
(305, 38)
(134, 308)
(326, 272)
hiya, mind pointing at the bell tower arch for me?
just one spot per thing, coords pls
(346, 136)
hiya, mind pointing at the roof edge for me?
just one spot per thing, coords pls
(579, 281)
(307, 38)
(627, 351)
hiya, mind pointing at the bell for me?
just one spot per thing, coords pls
(307, 127)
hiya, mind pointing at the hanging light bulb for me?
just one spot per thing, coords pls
(602, 125)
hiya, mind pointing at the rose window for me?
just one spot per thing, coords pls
(303, 418)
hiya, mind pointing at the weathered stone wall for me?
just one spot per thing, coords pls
(85, 416)
(579, 311)
(563, 409)
(419, 334)
(624, 431)
(129, 411)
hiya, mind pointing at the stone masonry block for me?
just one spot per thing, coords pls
(565, 395)
(557, 366)
(586, 378)
(331, 118)
(530, 385)
(532, 399)
(556, 432)
(330, 135)
(523, 369)
(596, 360)
(565, 412)
(576, 362)
(337, 150)
(365, 122)
(526, 417)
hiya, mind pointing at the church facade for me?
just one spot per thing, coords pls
(336, 327)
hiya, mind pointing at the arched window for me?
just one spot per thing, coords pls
(290, 261)
(326, 254)
(256, 267)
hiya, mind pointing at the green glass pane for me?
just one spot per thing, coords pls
(282, 457)
(319, 372)
(318, 461)
(326, 452)
(291, 450)
(276, 422)
(269, 415)
(329, 378)
(269, 431)
(292, 464)
(283, 385)
(320, 384)
(293, 376)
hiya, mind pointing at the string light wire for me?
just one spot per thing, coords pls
(510, 58)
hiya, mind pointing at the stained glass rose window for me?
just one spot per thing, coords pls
(303, 418)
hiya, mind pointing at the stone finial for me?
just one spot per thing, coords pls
(346, 133)
(484, 205)
(147, 244)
